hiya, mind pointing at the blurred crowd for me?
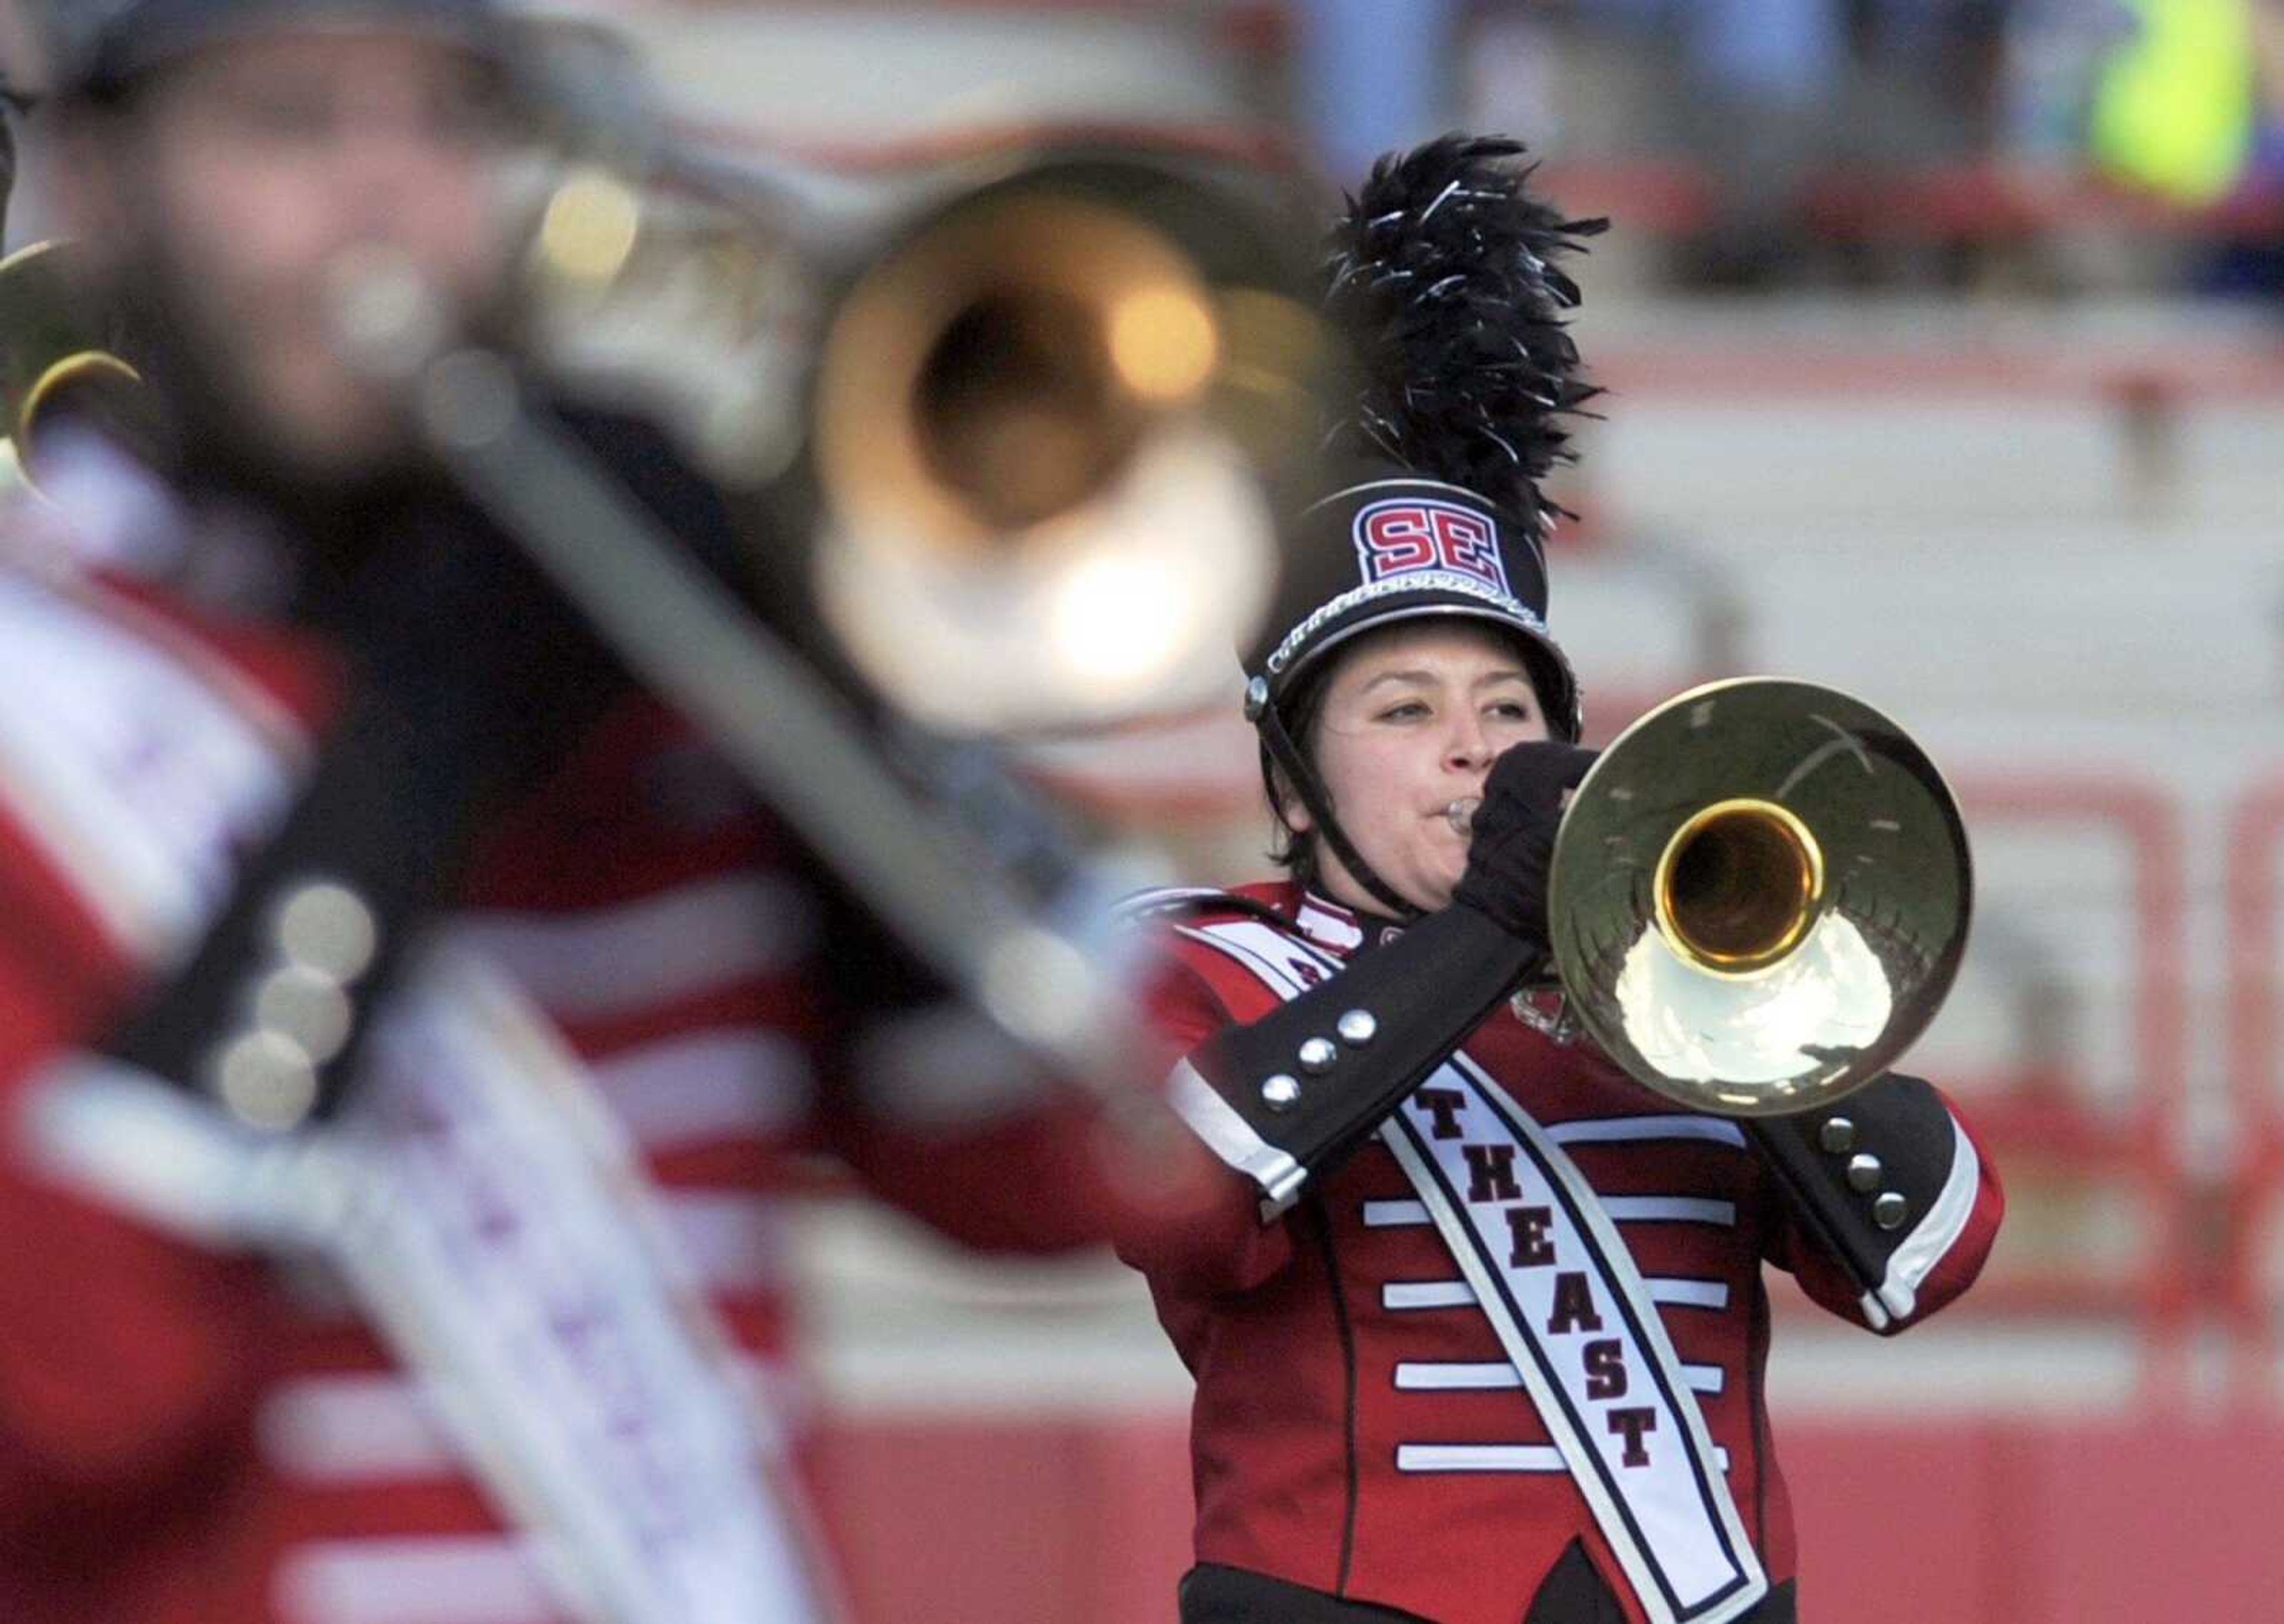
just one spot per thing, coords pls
(1893, 142)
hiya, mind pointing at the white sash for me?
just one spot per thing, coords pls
(488, 1212)
(499, 1228)
(1551, 1274)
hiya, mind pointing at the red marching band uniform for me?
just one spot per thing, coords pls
(195, 1427)
(1358, 1430)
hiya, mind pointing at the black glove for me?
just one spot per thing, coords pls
(1506, 879)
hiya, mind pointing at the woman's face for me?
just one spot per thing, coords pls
(1411, 721)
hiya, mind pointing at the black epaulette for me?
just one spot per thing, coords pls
(1291, 1095)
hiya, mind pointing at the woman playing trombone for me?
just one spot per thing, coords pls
(1479, 1334)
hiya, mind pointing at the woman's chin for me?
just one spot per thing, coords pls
(1431, 895)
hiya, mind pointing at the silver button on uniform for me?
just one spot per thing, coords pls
(306, 1006)
(1356, 1029)
(1318, 1055)
(1837, 1136)
(1281, 1092)
(1863, 1173)
(325, 926)
(1887, 1212)
(266, 1081)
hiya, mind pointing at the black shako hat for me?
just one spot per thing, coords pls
(106, 45)
(1441, 275)
(1395, 547)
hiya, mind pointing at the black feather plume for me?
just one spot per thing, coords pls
(1442, 275)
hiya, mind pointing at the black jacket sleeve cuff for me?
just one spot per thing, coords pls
(1884, 1180)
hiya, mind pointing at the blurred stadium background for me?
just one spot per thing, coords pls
(1944, 344)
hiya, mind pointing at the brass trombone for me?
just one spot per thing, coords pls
(1759, 897)
(1046, 380)
(1054, 423)
(1040, 425)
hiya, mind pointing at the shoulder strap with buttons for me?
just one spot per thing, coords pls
(453, 702)
(1292, 1095)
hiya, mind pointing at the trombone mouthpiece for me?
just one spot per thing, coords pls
(1461, 814)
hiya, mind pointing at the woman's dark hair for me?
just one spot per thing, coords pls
(1295, 850)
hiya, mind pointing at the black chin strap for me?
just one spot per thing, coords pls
(1310, 789)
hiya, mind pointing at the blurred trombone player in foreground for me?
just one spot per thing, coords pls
(360, 1273)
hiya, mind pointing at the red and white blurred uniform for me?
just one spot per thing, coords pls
(190, 1435)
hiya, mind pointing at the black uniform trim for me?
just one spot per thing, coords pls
(472, 675)
(1212, 1594)
(1347, 1331)
(1575, 1593)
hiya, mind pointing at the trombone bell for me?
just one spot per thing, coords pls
(1031, 431)
(1738, 886)
(998, 371)
(1759, 897)
(1053, 425)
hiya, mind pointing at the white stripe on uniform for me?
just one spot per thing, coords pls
(708, 1086)
(1493, 1457)
(439, 1578)
(1634, 1130)
(377, 1426)
(1479, 1457)
(1393, 1215)
(1667, 1290)
(1435, 1376)
(1934, 1235)
(366, 1427)
(1672, 1293)
(1669, 1209)
(1428, 1294)
(593, 964)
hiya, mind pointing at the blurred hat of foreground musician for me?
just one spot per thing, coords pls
(1478, 1333)
(334, 1287)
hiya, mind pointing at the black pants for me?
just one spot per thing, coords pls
(1574, 1593)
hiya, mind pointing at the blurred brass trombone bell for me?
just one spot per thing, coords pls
(53, 348)
(1047, 424)
(1759, 897)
